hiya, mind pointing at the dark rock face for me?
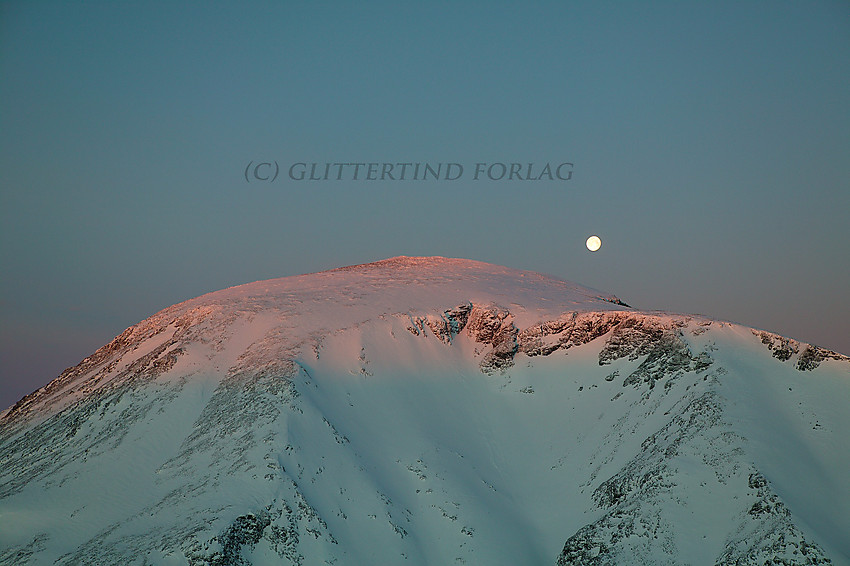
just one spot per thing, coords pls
(277, 525)
(784, 349)
(634, 498)
(450, 323)
(631, 336)
(812, 356)
(494, 326)
(489, 324)
(767, 534)
(634, 501)
(245, 531)
(574, 329)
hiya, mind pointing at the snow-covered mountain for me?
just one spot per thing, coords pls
(431, 411)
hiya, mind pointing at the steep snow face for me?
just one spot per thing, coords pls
(430, 411)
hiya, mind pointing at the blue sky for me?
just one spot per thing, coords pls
(710, 143)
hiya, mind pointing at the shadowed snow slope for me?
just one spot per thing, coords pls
(431, 411)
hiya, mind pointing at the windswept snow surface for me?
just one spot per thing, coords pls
(431, 411)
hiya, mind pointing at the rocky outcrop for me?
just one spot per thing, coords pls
(494, 326)
(636, 527)
(766, 534)
(659, 339)
(808, 356)
(450, 323)
(490, 325)
(572, 329)
(630, 335)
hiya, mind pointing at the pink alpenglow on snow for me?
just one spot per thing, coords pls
(429, 410)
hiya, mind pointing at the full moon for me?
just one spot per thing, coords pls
(594, 243)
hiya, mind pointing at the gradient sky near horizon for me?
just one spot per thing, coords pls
(710, 143)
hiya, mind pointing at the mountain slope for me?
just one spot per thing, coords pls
(430, 411)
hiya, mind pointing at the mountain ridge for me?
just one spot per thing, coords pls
(416, 399)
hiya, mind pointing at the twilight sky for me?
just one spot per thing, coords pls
(710, 145)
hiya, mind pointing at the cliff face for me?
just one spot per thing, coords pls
(430, 411)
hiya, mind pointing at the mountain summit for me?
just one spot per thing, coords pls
(431, 411)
